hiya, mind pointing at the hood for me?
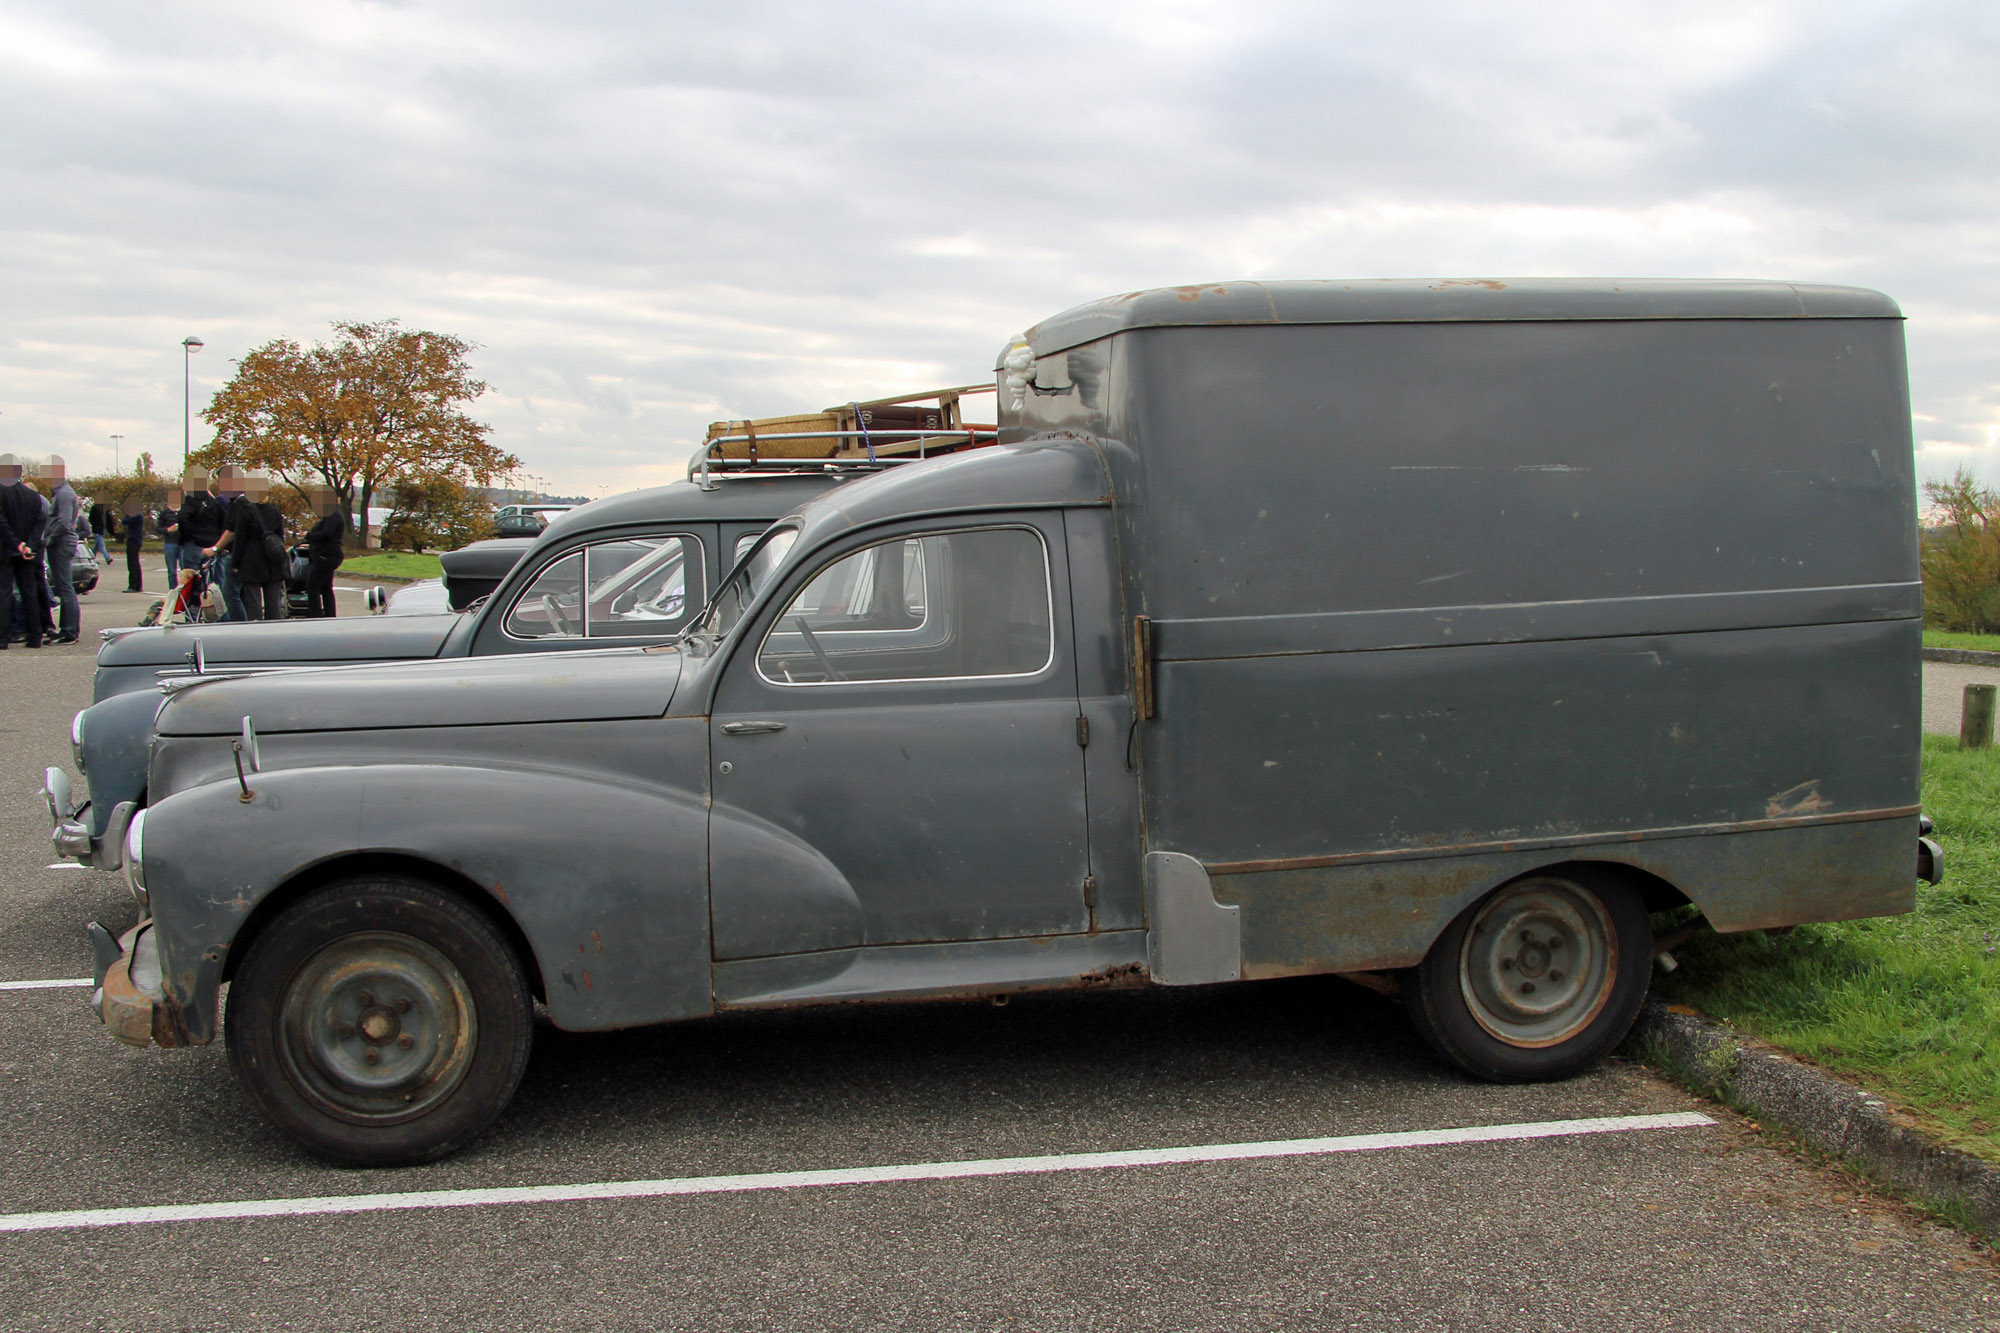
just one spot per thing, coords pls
(284, 642)
(462, 692)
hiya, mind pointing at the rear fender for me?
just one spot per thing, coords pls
(608, 882)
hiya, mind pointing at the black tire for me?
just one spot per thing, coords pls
(380, 1021)
(1537, 980)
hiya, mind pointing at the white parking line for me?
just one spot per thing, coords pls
(859, 1175)
(46, 985)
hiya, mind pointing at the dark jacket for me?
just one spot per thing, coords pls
(20, 520)
(250, 523)
(325, 539)
(168, 518)
(100, 518)
(135, 529)
(201, 519)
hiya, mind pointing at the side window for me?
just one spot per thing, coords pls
(743, 545)
(552, 607)
(644, 586)
(938, 606)
(633, 587)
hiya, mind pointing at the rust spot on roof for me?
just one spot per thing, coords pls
(1195, 293)
(1487, 283)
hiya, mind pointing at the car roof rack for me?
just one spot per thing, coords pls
(855, 437)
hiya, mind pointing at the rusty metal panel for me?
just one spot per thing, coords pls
(1376, 915)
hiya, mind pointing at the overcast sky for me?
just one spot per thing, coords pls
(655, 215)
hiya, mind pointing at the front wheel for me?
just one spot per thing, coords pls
(380, 1021)
(1537, 980)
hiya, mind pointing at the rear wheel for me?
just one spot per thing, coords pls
(1537, 980)
(380, 1021)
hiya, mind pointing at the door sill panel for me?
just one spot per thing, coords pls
(961, 969)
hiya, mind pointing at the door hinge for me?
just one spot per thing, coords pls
(1090, 892)
(1083, 731)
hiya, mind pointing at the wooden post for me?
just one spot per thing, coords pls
(1975, 722)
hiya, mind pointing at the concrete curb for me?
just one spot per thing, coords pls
(1963, 656)
(1835, 1117)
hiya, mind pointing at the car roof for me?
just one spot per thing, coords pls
(1450, 300)
(752, 497)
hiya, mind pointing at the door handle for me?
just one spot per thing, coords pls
(750, 728)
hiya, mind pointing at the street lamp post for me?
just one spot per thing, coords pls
(190, 345)
(116, 466)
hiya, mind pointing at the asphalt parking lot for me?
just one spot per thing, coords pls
(1675, 1215)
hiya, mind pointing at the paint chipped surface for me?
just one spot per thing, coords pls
(1804, 799)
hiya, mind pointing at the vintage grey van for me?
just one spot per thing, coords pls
(1433, 632)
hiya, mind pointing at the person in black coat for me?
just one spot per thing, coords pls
(20, 552)
(100, 528)
(135, 537)
(259, 571)
(325, 549)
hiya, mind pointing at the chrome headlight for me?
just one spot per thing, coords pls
(76, 740)
(135, 860)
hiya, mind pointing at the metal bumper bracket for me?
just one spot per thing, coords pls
(128, 997)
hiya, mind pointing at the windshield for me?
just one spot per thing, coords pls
(740, 589)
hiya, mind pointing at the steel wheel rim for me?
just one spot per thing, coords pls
(378, 1028)
(1538, 962)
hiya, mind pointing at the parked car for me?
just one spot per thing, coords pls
(522, 520)
(83, 566)
(650, 558)
(471, 573)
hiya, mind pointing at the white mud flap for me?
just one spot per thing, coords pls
(1191, 940)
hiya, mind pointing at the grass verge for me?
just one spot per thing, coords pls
(394, 565)
(1944, 638)
(1907, 1005)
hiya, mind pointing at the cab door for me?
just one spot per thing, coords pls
(895, 749)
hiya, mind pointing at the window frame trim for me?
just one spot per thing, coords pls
(582, 548)
(1048, 593)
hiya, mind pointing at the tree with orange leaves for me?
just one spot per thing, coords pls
(377, 407)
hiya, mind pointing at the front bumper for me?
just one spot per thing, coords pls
(70, 831)
(128, 997)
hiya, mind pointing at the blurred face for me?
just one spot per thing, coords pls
(174, 498)
(197, 479)
(132, 507)
(10, 468)
(57, 471)
(229, 478)
(324, 501)
(257, 488)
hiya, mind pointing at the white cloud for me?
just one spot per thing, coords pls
(656, 216)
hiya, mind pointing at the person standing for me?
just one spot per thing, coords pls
(100, 524)
(168, 521)
(325, 543)
(256, 543)
(229, 490)
(61, 547)
(20, 551)
(135, 538)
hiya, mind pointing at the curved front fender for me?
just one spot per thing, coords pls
(117, 736)
(608, 881)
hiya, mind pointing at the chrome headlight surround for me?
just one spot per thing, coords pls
(135, 860)
(76, 739)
